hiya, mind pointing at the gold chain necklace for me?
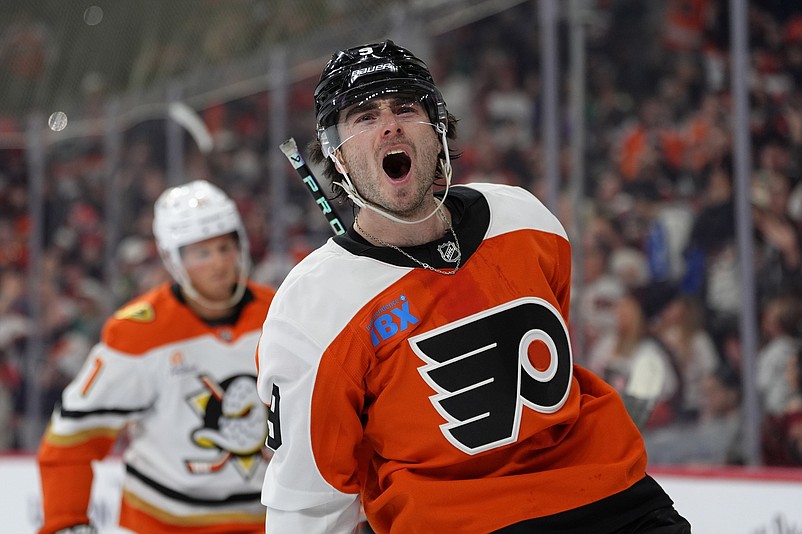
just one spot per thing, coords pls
(421, 263)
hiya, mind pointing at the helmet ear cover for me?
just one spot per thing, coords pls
(366, 72)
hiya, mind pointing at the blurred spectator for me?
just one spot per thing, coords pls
(618, 351)
(685, 23)
(666, 227)
(779, 327)
(484, 163)
(139, 266)
(705, 135)
(782, 433)
(659, 173)
(451, 68)
(650, 145)
(509, 104)
(630, 265)
(779, 256)
(9, 384)
(681, 327)
(15, 327)
(600, 293)
(711, 266)
(14, 224)
(716, 438)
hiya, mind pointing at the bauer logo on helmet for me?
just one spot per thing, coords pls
(373, 68)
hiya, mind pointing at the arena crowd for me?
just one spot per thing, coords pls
(660, 267)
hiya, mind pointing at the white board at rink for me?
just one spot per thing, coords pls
(715, 500)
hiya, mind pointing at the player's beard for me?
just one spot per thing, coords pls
(413, 200)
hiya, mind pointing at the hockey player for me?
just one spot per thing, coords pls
(420, 364)
(175, 369)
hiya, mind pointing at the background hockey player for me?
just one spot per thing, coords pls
(175, 369)
(420, 364)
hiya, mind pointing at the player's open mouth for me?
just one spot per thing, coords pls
(396, 164)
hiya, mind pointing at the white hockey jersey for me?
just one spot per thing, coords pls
(185, 391)
(444, 403)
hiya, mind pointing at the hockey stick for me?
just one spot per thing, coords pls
(643, 390)
(191, 121)
(290, 149)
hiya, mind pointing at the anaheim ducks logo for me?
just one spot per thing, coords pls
(234, 423)
(140, 312)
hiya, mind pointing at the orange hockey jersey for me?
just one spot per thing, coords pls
(443, 403)
(185, 391)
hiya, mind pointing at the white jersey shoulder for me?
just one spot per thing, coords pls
(327, 288)
(515, 208)
(333, 284)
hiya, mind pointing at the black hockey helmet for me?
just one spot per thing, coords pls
(365, 72)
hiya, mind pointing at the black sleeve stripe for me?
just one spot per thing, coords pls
(76, 414)
(178, 496)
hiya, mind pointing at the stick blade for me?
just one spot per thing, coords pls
(646, 382)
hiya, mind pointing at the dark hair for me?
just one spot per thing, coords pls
(788, 309)
(728, 377)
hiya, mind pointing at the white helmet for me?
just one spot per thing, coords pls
(191, 213)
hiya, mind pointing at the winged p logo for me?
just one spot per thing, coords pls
(481, 369)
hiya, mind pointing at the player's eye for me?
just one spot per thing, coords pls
(364, 117)
(228, 247)
(196, 254)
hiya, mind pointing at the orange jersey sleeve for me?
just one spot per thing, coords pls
(65, 471)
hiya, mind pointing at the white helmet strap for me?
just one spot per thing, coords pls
(348, 186)
(179, 273)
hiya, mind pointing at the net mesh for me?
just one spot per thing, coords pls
(70, 56)
(59, 55)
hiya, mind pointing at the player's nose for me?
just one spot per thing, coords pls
(389, 123)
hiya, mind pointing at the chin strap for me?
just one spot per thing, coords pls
(348, 186)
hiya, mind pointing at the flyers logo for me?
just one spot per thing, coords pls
(140, 312)
(482, 371)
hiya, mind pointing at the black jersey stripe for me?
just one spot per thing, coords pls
(79, 414)
(470, 224)
(178, 496)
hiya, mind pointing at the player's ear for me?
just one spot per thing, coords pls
(339, 164)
